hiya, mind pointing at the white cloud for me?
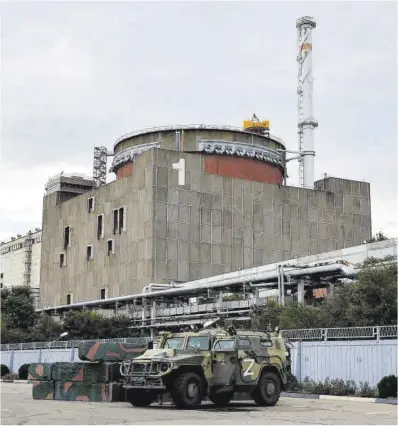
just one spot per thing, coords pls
(75, 75)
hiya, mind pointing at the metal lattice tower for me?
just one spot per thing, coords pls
(100, 163)
(28, 259)
(306, 122)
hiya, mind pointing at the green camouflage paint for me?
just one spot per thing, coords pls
(86, 372)
(110, 352)
(78, 391)
(40, 371)
(43, 390)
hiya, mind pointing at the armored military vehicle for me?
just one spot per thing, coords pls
(214, 363)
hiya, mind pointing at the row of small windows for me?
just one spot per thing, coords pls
(103, 296)
(119, 225)
(18, 246)
(89, 253)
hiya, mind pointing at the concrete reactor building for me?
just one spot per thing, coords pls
(189, 202)
(20, 262)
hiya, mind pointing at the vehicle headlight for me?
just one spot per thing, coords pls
(164, 367)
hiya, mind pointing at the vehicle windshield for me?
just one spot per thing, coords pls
(198, 342)
(224, 344)
(174, 343)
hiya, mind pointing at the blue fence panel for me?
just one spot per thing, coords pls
(57, 355)
(360, 361)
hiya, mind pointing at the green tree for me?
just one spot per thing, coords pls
(294, 315)
(46, 329)
(374, 295)
(17, 308)
(266, 316)
(378, 237)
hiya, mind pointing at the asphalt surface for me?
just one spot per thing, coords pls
(18, 408)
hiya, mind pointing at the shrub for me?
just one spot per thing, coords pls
(10, 377)
(387, 387)
(4, 370)
(366, 391)
(293, 385)
(23, 372)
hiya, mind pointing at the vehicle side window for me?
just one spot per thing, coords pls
(265, 343)
(198, 342)
(244, 344)
(224, 344)
(174, 343)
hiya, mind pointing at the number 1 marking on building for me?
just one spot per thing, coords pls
(180, 166)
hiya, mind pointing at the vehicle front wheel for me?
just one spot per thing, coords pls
(221, 399)
(187, 391)
(268, 389)
(140, 398)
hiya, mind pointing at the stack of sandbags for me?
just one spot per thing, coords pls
(39, 374)
(87, 382)
(98, 379)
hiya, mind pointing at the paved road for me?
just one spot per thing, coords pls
(18, 408)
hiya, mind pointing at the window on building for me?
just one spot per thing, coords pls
(67, 237)
(69, 298)
(1, 285)
(100, 226)
(121, 220)
(109, 249)
(90, 204)
(62, 260)
(115, 220)
(2, 275)
(103, 293)
(89, 253)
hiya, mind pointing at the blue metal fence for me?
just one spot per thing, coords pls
(357, 360)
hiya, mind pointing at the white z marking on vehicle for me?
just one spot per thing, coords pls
(249, 371)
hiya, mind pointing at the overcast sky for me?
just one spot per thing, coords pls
(75, 75)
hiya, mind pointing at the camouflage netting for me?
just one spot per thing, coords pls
(78, 391)
(86, 372)
(40, 371)
(110, 352)
(43, 390)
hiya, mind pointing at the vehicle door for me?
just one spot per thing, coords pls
(224, 361)
(249, 358)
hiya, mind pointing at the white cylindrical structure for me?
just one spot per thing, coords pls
(306, 121)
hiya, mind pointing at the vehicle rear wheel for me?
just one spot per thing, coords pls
(187, 390)
(221, 399)
(140, 398)
(268, 390)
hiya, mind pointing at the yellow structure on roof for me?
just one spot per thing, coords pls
(248, 124)
(255, 123)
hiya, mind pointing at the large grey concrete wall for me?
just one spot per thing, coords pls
(125, 272)
(216, 224)
(209, 226)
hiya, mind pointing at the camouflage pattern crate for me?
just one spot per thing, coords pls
(110, 352)
(43, 390)
(40, 371)
(86, 372)
(79, 391)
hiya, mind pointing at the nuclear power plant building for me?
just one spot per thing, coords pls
(188, 202)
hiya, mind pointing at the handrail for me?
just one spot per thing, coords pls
(348, 333)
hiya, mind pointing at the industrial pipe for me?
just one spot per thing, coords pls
(232, 278)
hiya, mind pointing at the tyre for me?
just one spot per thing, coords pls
(268, 390)
(187, 391)
(140, 398)
(221, 399)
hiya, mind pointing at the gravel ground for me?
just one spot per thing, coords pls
(18, 408)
